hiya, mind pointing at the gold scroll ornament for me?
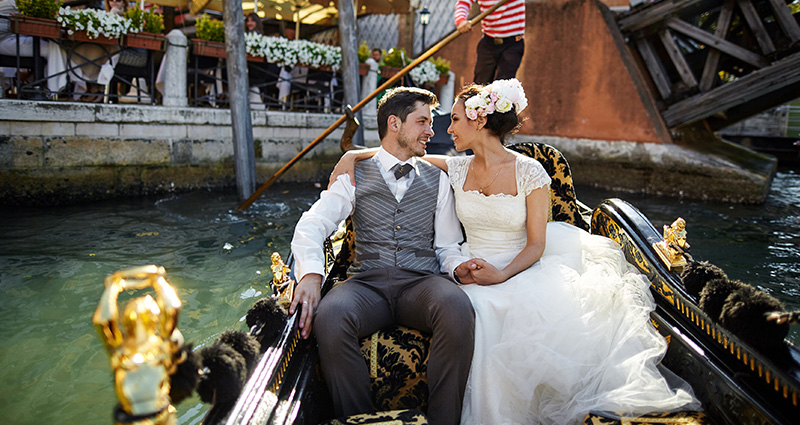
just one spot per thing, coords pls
(671, 249)
(143, 344)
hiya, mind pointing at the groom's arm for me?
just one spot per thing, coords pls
(316, 224)
(447, 229)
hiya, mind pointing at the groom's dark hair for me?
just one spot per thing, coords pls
(400, 102)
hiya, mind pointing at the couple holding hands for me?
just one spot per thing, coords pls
(537, 322)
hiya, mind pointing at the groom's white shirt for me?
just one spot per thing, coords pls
(338, 202)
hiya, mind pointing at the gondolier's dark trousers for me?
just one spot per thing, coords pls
(375, 299)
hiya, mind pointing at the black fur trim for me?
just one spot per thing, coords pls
(714, 294)
(226, 375)
(244, 344)
(186, 377)
(743, 315)
(270, 316)
(696, 274)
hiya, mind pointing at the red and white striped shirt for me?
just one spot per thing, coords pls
(507, 21)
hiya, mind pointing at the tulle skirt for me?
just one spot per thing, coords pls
(567, 336)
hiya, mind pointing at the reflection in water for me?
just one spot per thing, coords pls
(54, 261)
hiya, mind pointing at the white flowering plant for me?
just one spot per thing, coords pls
(94, 22)
(500, 96)
(425, 73)
(284, 52)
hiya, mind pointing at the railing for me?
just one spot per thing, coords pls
(70, 64)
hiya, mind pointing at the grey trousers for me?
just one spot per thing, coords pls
(379, 298)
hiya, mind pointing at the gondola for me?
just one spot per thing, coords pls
(745, 375)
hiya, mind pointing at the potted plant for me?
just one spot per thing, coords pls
(393, 62)
(443, 66)
(37, 18)
(210, 37)
(363, 54)
(96, 26)
(148, 26)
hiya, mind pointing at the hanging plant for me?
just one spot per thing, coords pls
(442, 65)
(425, 73)
(281, 51)
(47, 9)
(145, 20)
(94, 22)
(210, 29)
(363, 52)
(397, 58)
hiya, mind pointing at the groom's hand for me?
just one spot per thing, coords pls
(306, 294)
(464, 272)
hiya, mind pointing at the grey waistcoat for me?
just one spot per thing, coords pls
(390, 233)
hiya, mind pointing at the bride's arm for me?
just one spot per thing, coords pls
(537, 202)
(346, 164)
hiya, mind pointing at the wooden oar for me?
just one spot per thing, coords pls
(388, 83)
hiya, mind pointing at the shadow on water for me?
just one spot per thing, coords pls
(54, 261)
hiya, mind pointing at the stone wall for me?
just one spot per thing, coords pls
(54, 153)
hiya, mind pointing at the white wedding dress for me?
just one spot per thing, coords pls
(569, 335)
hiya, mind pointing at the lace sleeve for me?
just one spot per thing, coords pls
(457, 170)
(530, 175)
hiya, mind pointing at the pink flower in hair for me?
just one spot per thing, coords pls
(472, 114)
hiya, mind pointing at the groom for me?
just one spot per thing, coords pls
(406, 233)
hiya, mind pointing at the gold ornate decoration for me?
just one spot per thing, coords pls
(672, 247)
(144, 344)
(282, 283)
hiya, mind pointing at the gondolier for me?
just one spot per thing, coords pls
(501, 48)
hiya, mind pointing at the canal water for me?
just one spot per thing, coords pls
(54, 260)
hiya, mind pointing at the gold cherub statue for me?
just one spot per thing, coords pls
(671, 249)
(282, 283)
(143, 344)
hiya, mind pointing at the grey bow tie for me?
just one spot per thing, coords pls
(402, 170)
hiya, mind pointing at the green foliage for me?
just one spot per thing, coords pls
(442, 65)
(210, 29)
(394, 57)
(47, 9)
(363, 52)
(145, 20)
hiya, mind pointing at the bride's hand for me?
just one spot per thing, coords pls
(485, 273)
(347, 163)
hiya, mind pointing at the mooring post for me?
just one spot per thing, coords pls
(175, 70)
(368, 85)
(238, 87)
(347, 38)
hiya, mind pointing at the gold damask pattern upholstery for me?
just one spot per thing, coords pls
(398, 355)
(398, 364)
(562, 191)
(396, 417)
(678, 418)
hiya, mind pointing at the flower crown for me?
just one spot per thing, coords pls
(499, 96)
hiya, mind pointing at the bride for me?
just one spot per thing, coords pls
(562, 320)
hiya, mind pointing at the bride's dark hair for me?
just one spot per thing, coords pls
(501, 124)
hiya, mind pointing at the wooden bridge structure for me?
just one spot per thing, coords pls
(716, 60)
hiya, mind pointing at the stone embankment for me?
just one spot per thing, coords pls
(54, 153)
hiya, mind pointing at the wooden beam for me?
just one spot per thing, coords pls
(677, 58)
(785, 19)
(655, 67)
(712, 60)
(755, 24)
(762, 82)
(653, 14)
(638, 75)
(718, 43)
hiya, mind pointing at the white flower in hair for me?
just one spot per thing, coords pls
(501, 96)
(503, 104)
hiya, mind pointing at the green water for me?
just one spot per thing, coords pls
(54, 260)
